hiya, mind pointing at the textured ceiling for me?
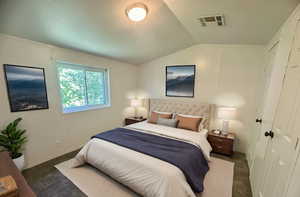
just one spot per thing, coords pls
(100, 26)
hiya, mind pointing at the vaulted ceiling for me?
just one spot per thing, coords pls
(247, 21)
(101, 27)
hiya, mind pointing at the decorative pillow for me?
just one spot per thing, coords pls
(155, 115)
(189, 123)
(167, 122)
(202, 124)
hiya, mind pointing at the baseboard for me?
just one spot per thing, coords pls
(53, 161)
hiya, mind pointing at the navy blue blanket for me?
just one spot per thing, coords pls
(185, 156)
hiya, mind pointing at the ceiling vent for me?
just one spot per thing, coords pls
(217, 20)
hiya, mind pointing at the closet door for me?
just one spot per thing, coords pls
(282, 151)
(260, 162)
(264, 171)
(293, 189)
(283, 139)
(270, 57)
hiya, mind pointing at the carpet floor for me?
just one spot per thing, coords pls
(47, 181)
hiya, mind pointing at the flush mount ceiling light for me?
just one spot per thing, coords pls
(137, 12)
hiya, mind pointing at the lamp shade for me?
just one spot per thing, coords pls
(136, 103)
(226, 113)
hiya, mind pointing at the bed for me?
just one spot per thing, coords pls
(145, 174)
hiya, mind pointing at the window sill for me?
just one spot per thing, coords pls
(84, 108)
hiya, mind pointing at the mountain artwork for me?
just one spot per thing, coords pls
(26, 88)
(180, 81)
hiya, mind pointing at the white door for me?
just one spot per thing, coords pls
(277, 152)
(293, 189)
(270, 57)
(264, 156)
(281, 151)
(258, 165)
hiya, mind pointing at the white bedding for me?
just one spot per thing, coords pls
(146, 175)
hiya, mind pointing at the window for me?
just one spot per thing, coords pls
(82, 88)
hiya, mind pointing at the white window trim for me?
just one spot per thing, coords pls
(85, 107)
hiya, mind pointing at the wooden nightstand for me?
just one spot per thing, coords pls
(129, 121)
(220, 143)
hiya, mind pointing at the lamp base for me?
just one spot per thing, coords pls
(225, 127)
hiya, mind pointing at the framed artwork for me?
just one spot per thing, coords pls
(26, 88)
(180, 81)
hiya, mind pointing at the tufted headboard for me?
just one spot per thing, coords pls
(183, 107)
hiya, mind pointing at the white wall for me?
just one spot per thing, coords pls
(50, 132)
(228, 75)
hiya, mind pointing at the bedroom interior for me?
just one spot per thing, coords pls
(154, 98)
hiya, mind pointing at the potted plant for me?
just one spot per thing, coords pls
(12, 139)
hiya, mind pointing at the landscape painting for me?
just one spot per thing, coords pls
(26, 88)
(180, 81)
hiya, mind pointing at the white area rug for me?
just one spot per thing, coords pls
(218, 181)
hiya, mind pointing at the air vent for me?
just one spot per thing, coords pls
(217, 20)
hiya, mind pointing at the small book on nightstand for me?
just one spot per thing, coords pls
(8, 187)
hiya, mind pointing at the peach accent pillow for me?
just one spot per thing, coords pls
(155, 115)
(203, 123)
(189, 123)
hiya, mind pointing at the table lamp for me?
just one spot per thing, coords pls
(135, 103)
(226, 114)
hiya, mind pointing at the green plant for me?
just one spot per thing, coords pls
(12, 138)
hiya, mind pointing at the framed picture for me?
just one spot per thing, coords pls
(180, 81)
(26, 88)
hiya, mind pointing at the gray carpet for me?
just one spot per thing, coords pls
(47, 181)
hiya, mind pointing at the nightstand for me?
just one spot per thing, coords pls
(222, 144)
(129, 121)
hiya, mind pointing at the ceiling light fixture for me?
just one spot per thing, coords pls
(137, 12)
